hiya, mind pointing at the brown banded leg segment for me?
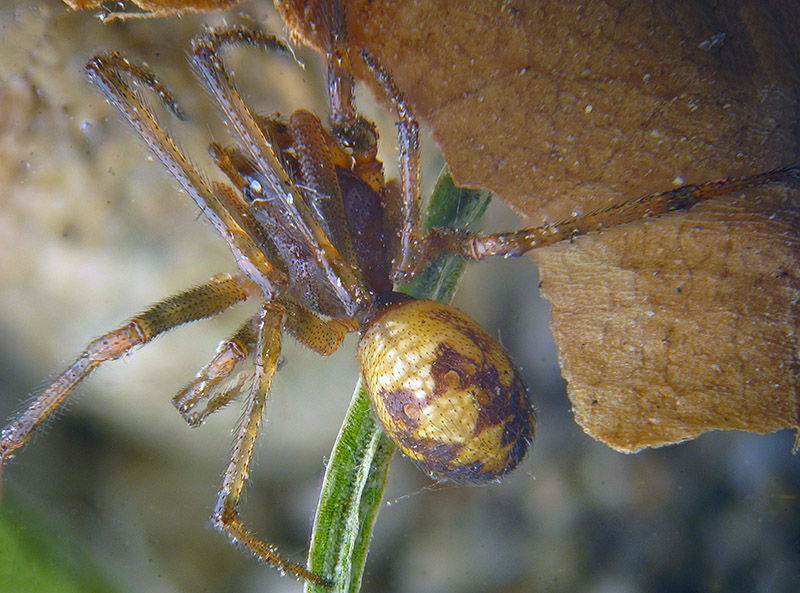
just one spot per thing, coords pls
(225, 516)
(439, 242)
(106, 72)
(210, 67)
(352, 131)
(341, 83)
(408, 260)
(157, 8)
(322, 336)
(199, 302)
(229, 354)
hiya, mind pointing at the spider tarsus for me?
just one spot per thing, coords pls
(209, 43)
(227, 521)
(100, 66)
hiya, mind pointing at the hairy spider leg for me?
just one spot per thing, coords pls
(341, 83)
(477, 246)
(225, 515)
(211, 69)
(323, 336)
(360, 136)
(104, 71)
(408, 259)
(161, 9)
(352, 130)
(229, 354)
(205, 300)
(226, 210)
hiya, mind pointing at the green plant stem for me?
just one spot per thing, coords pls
(352, 491)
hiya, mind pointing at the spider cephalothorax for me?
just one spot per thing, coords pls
(322, 240)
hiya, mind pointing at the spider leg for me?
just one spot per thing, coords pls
(225, 515)
(233, 201)
(154, 10)
(340, 81)
(205, 300)
(406, 263)
(323, 336)
(319, 172)
(211, 69)
(229, 354)
(320, 163)
(105, 71)
(351, 129)
(476, 246)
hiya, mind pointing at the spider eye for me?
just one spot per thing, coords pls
(446, 392)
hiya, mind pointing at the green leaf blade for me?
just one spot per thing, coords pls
(356, 476)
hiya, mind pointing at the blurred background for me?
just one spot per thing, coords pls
(115, 494)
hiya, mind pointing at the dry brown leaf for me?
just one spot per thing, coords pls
(665, 329)
(672, 328)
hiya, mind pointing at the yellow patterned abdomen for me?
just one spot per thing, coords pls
(446, 392)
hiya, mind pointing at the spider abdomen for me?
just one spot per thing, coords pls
(446, 392)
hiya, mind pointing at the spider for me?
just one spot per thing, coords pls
(322, 240)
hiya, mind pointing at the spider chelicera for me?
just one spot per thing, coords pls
(322, 240)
